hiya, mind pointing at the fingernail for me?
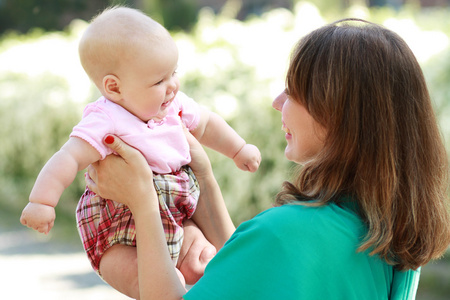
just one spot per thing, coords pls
(109, 139)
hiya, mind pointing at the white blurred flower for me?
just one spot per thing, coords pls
(53, 53)
(423, 43)
(307, 18)
(225, 105)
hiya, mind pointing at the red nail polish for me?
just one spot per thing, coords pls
(109, 139)
(180, 114)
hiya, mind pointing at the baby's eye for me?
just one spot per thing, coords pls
(159, 82)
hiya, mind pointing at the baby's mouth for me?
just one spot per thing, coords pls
(166, 103)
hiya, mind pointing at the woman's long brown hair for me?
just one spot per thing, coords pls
(383, 148)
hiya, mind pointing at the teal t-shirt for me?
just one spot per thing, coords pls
(299, 252)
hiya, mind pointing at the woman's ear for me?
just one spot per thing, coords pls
(111, 86)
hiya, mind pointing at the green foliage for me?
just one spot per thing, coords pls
(437, 72)
(434, 281)
(46, 14)
(173, 14)
(245, 194)
(52, 15)
(230, 80)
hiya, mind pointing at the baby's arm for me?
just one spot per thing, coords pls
(215, 133)
(57, 174)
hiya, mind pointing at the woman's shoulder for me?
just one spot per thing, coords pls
(304, 215)
(294, 223)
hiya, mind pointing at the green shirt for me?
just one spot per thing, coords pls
(299, 252)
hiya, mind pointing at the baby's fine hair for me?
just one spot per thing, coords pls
(383, 148)
(111, 37)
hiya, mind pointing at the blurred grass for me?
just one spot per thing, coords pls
(234, 68)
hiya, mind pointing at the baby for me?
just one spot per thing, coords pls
(133, 60)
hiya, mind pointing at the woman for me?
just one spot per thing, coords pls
(365, 211)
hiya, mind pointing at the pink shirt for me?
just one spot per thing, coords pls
(162, 143)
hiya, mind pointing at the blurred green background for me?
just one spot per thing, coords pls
(233, 57)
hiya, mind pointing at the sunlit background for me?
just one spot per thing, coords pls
(233, 58)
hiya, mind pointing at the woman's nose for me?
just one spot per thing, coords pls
(278, 102)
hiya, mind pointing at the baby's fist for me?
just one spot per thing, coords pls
(39, 217)
(248, 158)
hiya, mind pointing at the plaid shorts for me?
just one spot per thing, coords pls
(103, 223)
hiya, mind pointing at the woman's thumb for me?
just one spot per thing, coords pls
(116, 144)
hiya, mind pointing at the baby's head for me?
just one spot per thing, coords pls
(131, 59)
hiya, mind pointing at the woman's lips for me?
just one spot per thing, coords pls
(285, 129)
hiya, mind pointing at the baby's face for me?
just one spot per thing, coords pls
(150, 82)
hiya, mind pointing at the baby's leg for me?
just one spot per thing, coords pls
(195, 254)
(119, 269)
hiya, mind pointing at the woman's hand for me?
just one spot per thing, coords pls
(125, 177)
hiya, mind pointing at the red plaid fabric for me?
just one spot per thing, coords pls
(103, 223)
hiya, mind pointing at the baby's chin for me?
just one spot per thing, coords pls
(159, 117)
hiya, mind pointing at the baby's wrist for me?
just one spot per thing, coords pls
(41, 203)
(239, 150)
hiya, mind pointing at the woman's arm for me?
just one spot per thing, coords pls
(125, 178)
(211, 215)
(154, 264)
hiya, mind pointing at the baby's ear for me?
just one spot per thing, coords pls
(111, 86)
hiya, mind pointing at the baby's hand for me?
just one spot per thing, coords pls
(248, 158)
(39, 217)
